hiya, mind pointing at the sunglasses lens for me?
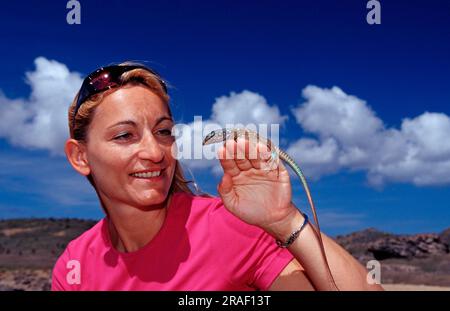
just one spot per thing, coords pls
(102, 81)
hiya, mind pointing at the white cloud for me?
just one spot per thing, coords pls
(245, 107)
(41, 120)
(429, 132)
(332, 113)
(189, 143)
(314, 157)
(351, 136)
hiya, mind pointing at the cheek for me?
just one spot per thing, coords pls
(171, 167)
(171, 164)
(171, 160)
(107, 162)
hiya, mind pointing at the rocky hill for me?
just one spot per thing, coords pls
(30, 247)
(408, 259)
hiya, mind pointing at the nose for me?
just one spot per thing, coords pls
(149, 149)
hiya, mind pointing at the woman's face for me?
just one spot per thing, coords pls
(129, 148)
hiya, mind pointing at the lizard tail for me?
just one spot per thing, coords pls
(284, 156)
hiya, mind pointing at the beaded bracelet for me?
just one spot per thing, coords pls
(294, 235)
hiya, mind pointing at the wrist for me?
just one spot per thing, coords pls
(294, 235)
(282, 230)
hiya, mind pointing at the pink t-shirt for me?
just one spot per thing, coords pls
(201, 246)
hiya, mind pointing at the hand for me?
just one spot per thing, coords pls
(256, 195)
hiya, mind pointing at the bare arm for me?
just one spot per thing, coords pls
(347, 272)
(292, 278)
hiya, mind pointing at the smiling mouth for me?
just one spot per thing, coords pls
(147, 175)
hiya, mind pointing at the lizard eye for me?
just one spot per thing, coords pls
(209, 136)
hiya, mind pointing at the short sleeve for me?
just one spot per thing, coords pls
(249, 256)
(59, 272)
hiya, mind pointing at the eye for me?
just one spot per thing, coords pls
(123, 136)
(209, 136)
(164, 132)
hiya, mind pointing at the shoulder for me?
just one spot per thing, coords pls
(75, 251)
(78, 246)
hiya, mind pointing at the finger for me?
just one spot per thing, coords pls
(241, 155)
(262, 153)
(226, 191)
(226, 158)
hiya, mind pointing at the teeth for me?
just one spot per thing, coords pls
(147, 174)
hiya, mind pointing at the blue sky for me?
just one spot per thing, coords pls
(376, 155)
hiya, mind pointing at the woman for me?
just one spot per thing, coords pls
(156, 234)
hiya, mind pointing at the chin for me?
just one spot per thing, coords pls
(153, 198)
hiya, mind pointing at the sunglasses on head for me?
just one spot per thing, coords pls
(106, 78)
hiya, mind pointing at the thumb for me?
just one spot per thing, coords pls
(226, 190)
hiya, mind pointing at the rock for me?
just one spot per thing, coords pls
(415, 246)
(356, 242)
(445, 237)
